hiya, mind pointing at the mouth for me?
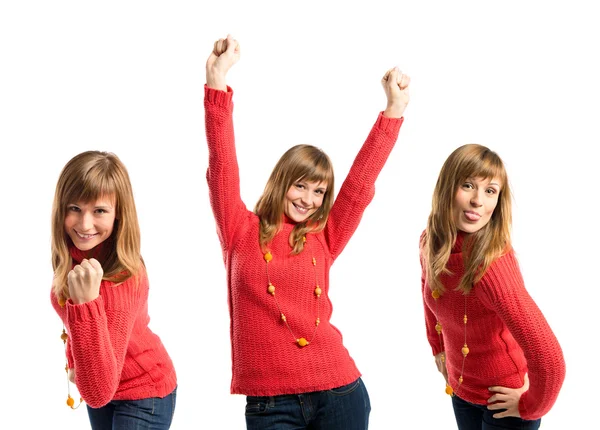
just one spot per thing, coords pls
(472, 216)
(85, 236)
(301, 209)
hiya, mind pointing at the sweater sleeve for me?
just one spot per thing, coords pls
(504, 292)
(358, 189)
(435, 340)
(99, 336)
(223, 173)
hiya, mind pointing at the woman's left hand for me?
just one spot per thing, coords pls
(395, 84)
(507, 398)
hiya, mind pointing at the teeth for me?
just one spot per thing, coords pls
(85, 236)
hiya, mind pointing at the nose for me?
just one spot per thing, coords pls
(476, 199)
(306, 198)
(86, 222)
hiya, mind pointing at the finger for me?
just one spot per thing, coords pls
(220, 46)
(526, 382)
(230, 44)
(498, 389)
(404, 81)
(386, 76)
(498, 398)
(95, 264)
(501, 414)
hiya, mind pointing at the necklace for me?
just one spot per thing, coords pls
(300, 341)
(465, 349)
(64, 336)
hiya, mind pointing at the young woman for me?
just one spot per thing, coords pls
(100, 292)
(502, 363)
(287, 357)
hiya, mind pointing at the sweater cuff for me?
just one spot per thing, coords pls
(85, 311)
(389, 125)
(218, 97)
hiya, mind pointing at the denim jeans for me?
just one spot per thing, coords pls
(342, 408)
(477, 417)
(146, 414)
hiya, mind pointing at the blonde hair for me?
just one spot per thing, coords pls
(86, 178)
(301, 162)
(480, 248)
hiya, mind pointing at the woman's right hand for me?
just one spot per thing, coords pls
(441, 365)
(225, 53)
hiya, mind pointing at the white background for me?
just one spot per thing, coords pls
(127, 77)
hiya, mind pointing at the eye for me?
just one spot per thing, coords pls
(467, 186)
(73, 208)
(491, 191)
(299, 186)
(320, 191)
(101, 211)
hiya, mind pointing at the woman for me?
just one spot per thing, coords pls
(100, 292)
(501, 361)
(287, 357)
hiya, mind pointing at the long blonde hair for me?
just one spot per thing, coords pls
(480, 248)
(86, 178)
(301, 162)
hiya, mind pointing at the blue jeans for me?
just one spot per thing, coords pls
(146, 414)
(477, 417)
(342, 408)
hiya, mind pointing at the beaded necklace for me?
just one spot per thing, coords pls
(300, 341)
(64, 336)
(465, 349)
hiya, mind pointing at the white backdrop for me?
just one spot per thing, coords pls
(127, 77)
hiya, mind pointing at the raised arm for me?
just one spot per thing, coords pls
(358, 189)
(223, 173)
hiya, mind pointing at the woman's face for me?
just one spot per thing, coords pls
(89, 224)
(474, 203)
(303, 199)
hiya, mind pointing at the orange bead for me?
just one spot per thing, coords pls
(283, 318)
(449, 390)
(64, 336)
(465, 350)
(314, 261)
(268, 257)
(435, 294)
(438, 328)
(460, 379)
(303, 238)
(61, 302)
(465, 318)
(318, 321)
(302, 342)
(70, 401)
(271, 289)
(318, 291)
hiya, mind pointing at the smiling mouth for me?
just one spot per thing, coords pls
(301, 209)
(85, 236)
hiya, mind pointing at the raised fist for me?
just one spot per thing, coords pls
(84, 281)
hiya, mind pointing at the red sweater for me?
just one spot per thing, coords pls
(265, 359)
(113, 351)
(507, 336)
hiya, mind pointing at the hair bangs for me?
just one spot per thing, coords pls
(486, 164)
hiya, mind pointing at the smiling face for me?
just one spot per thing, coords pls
(90, 224)
(303, 199)
(474, 203)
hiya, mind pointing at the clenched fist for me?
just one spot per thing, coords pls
(225, 53)
(395, 84)
(84, 281)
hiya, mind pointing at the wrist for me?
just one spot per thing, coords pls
(216, 81)
(394, 110)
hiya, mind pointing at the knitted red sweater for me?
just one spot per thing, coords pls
(507, 336)
(265, 359)
(113, 351)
